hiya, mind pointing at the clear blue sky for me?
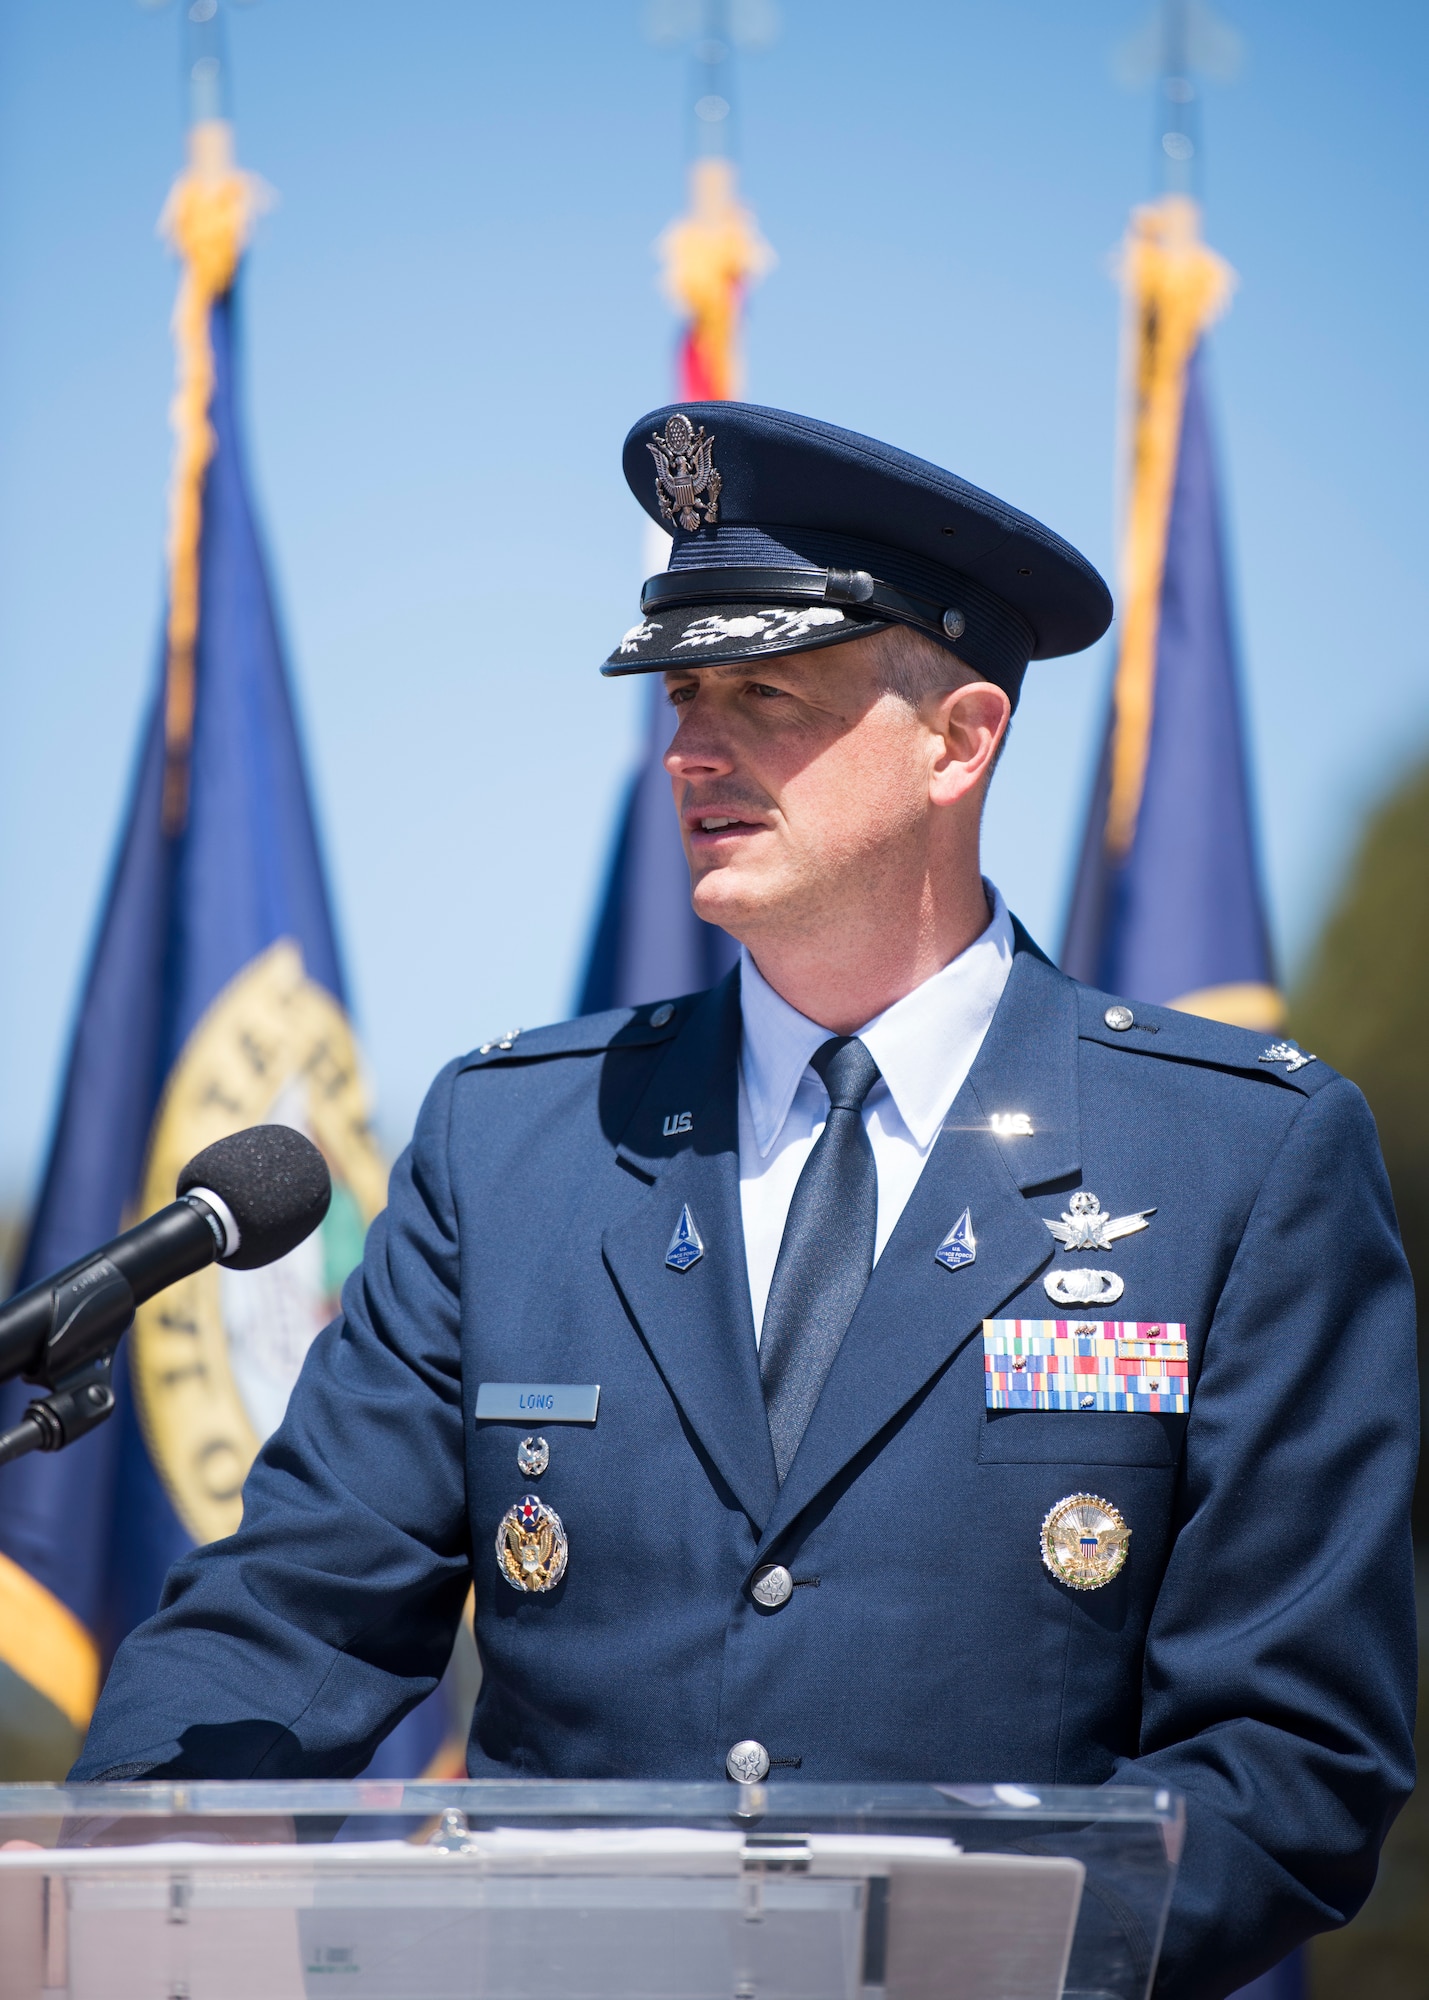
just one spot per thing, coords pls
(452, 319)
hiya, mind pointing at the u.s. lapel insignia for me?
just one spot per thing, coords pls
(533, 1455)
(1084, 1226)
(959, 1246)
(686, 483)
(1084, 1541)
(1083, 1286)
(685, 1245)
(1287, 1053)
(531, 1545)
(1010, 1125)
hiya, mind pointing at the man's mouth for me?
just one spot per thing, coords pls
(721, 823)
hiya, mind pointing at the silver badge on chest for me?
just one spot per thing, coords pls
(1082, 1286)
(1084, 1225)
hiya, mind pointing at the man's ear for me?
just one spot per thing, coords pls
(971, 721)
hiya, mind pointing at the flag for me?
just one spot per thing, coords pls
(214, 999)
(711, 256)
(648, 942)
(1167, 902)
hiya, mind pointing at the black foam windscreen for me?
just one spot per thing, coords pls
(274, 1182)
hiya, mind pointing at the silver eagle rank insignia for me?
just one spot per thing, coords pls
(1084, 1225)
(686, 483)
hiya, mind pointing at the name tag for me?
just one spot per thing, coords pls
(1079, 1364)
(537, 1402)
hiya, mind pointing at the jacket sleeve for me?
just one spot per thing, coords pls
(1279, 1677)
(289, 1649)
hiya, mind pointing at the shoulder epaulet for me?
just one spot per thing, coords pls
(588, 1035)
(1141, 1029)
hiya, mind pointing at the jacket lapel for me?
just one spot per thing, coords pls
(916, 1315)
(697, 1323)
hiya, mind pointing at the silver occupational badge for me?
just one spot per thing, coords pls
(1085, 1227)
(1287, 1053)
(531, 1545)
(1084, 1541)
(1082, 1286)
(686, 483)
(533, 1455)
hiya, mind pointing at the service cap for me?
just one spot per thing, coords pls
(790, 534)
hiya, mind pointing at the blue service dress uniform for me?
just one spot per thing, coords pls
(1255, 1650)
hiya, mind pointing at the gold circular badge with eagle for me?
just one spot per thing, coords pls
(1084, 1541)
(215, 1357)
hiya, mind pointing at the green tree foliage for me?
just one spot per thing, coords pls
(1364, 1006)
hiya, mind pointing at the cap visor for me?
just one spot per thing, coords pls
(710, 635)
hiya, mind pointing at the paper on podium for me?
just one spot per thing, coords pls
(532, 1914)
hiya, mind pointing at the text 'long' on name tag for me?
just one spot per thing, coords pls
(537, 1402)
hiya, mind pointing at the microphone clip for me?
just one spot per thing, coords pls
(76, 1406)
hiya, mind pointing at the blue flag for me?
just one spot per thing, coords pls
(1167, 906)
(648, 942)
(214, 999)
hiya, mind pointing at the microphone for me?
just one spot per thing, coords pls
(243, 1202)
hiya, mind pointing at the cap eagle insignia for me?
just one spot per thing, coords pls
(1085, 1226)
(686, 483)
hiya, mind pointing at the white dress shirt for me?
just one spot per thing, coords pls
(924, 1045)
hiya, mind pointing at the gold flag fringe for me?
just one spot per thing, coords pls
(1175, 287)
(208, 218)
(711, 255)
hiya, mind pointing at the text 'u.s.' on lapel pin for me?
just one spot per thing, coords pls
(685, 1245)
(959, 1246)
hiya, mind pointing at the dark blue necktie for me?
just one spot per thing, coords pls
(826, 1256)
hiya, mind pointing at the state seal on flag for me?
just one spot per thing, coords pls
(215, 1357)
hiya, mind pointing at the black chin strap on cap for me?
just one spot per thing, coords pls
(986, 633)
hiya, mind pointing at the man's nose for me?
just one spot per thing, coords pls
(699, 748)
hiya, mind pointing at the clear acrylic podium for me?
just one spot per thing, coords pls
(594, 1891)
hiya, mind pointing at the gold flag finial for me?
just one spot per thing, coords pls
(1175, 287)
(711, 256)
(207, 219)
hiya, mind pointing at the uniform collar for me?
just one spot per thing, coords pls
(924, 1044)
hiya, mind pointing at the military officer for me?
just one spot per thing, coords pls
(898, 1362)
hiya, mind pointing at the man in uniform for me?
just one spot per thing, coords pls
(897, 1363)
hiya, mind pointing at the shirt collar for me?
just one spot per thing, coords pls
(924, 1044)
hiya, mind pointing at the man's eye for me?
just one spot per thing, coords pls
(679, 696)
(763, 689)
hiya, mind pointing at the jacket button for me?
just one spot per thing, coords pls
(1119, 1018)
(772, 1586)
(747, 1762)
